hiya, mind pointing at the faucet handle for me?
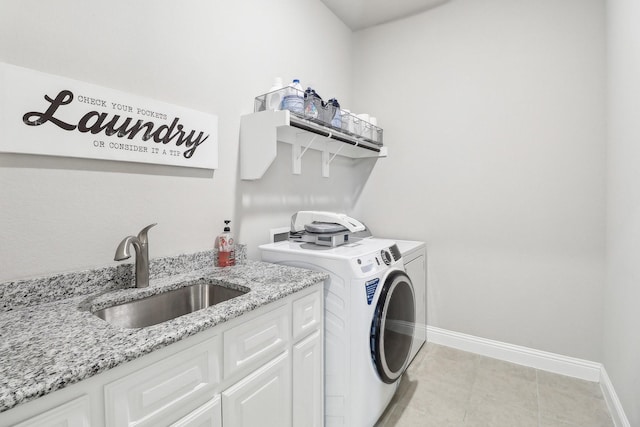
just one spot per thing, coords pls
(142, 235)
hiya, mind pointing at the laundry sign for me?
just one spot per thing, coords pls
(51, 115)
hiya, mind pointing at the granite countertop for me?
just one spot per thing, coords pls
(48, 342)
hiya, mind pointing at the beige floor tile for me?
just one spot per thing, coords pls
(457, 368)
(452, 353)
(438, 400)
(407, 416)
(570, 385)
(508, 383)
(487, 412)
(552, 422)
(445, 387)
(573, 408)
(420, 356)
(408, 384)
(495, 367)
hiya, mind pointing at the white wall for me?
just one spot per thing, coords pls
(493, 113)
(621, 320)
(61, 214)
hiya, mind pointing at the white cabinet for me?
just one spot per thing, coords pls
(262, 399)
(208, 415)
(254, 341)
(166, 390)
(71, 414)
(253, 370)
(283, 392)
(308, 410)
(307, 315)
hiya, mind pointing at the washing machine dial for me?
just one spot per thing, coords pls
(386, 256)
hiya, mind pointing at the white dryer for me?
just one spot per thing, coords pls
(414, 257)
(369, 323)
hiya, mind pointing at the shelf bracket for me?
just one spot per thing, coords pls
(297, 152)
(327, 158)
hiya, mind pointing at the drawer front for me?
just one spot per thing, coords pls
(166, 390)
(208, 415)
(307, 315)
(255, 341)
(75, 413)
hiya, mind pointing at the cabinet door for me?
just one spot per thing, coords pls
(262, 399)
(208, 415)
(308, 384)
(71, 414)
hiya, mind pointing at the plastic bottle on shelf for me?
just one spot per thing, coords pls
(336, 119)
(274, 97)
(365, 126)
(293, 99)
(311, 103)
(225, 248)
(347, 122)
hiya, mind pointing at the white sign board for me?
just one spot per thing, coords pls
(51, 115)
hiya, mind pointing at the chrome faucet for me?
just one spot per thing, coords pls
(141, 246)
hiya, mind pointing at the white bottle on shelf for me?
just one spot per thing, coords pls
(294, 98)
(274, 97)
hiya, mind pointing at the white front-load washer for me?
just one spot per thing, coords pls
(369, 323)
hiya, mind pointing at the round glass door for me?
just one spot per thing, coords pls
(393, 326)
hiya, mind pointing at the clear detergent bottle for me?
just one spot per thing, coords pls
(311, 103)
(294, 98)
(225, 248)
(336, 119)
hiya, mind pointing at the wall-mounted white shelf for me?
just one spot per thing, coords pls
(261, 131)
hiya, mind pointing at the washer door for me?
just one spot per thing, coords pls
(392, 327)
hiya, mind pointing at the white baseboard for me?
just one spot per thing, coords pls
(615, 407)
(551, 362)
(558, 364)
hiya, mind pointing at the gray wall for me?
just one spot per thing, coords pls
(622, 317)
(62, 214)
(494, 113)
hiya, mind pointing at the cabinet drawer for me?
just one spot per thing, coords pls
(255, 341)
(72, 414)
(208, 415)
(307, 314)
(166, 390)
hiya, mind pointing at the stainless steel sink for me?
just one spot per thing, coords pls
(166, 306)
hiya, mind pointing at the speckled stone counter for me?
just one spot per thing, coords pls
(49, 337)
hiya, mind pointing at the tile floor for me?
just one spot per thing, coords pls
(445, 387)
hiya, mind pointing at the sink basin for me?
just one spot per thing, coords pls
(166, 306)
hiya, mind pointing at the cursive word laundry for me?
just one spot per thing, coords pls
(96, 122)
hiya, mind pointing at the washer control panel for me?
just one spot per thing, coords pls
(386, 256)
(375, 261)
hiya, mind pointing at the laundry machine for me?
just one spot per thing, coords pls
(414, 257)
(369, 322)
